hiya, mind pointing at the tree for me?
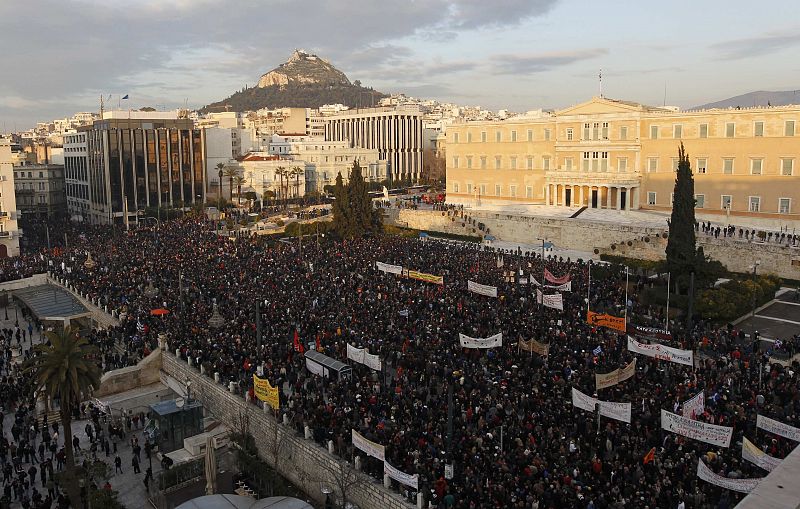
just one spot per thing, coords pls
(239, 180)
(340, 208)
(682, 256)
(268, 195)
(433, 170)
(353, 213)
(296, 172)
(64, 368)
(281, 172)
(220, 173)
(231, 172)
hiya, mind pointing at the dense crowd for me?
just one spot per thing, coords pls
(517, 441)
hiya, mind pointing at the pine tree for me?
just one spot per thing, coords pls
(360, 203)
(340, 207)
(682, 256)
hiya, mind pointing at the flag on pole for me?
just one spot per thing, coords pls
(298, 346)
(404, 313)
(598, 350)
(650, 456)
(124, 97)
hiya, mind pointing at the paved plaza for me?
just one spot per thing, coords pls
(778, 319)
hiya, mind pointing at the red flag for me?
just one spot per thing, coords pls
(650, 456)
(319, 344)
(298, 346)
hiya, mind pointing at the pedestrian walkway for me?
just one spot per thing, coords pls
(777, 319)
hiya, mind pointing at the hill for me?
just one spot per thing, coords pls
(304, 80)
(759, 98)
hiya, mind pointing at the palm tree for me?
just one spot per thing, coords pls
(64, 369)
(239, 181)
(296, 172)
(231, 172)
(282, 172)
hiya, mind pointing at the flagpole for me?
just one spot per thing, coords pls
(666, 319)
(589, 290)
(626, 296)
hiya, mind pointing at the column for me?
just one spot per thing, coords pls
(581, 191)
(634, 200)
(547, 194)
(574, 199)
(563, 195)
(619, 198)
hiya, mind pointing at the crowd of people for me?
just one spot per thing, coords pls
(516, 441)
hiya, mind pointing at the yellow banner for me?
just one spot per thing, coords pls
(265, 392)
(616, 376)
(428, 278)
(534, 346)
(603, 320)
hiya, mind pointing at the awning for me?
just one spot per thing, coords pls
(51, 303)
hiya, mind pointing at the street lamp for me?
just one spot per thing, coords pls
(543, 265)
(755, 268)
(327, 492)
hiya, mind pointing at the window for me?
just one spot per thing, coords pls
(603, 161)
(546, 163)
(704, 130)
(651, 198)
(528, 192)
(483, 162)
(595, 161)
(41, 174)
(483, 136)
(498, 136)
(498, 189)
(529, 162)
(788, 128)
(727, 166)
(784, 205)
(702, 165)
(41, 186)
(469, 188)
(513, 135)
(455, 161)
(755, 204)
(652, 164)
(586, 128)
(622, 164)
(623, 133)
(755, 166)
(596, 130)
(455, 137)
(604, 133)
(730, 129)
(677, 131)
(675, 164)
(568, 164)
(455, 187)
(653, 132)
(483, 189)
(530, 134)
(469, 162)
(469, 137)
(547, 134)
(569, 134)
(671, 199)
(512, 191)
(726, 201)
(497, 162)
(787, 167)
(699, 201)
(758, 129)
(513, 162)
(585, 163)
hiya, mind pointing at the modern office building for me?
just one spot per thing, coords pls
(9, 231)
(606, 153)
(40, 190)
(136, 160)
(396, 133)
(76, 176)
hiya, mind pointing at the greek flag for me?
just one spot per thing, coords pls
(404, 313)
(140, 326)
(778, 343)
(598, 350)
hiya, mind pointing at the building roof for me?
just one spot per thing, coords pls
(51, 303)
(170, 406)
(225, 501)
(257, 157)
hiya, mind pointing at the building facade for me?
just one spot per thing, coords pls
(9, 230)
(396, 133)
(621, 155)
(76, 176)
(40, 190)
(139, 160)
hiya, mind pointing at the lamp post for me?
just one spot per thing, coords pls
(755, 268)
(543, 267)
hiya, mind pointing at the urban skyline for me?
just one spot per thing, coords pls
(540, 53)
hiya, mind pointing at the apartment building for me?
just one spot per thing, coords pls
(9, 230)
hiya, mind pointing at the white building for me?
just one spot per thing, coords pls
(76, 176)
(263, 172)
(9, 230)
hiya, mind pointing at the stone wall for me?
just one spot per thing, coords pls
(301, 461)
(145, 372)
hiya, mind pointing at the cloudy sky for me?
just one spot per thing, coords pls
(59, 56)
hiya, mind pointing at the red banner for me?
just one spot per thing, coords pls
(555, 280)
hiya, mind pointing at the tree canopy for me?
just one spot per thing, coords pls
(682, 256)
(353, 213)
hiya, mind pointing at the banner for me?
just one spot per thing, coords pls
(778, 428)
(488, 291)
(708, 433)
(265, 392)
(604, 320)
(548, 276)
(649, 333)
(695, 406)
(392, 269)
(369, 447)
(400, 476)
(618, 411)
(535, 347)
(554, 301)
(314, 367)
(421, 276)
(566, 287)
(754, 455)
(664, 353)
(613, 378)
(740, 485)
(499, 261)
(490, 342)
(362, 356)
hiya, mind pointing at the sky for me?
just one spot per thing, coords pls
(60, 56)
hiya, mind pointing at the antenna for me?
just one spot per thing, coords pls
(665, 94)
(600, 78)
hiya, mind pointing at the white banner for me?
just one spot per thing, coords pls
(740, 485)
(753, 454)
(400, 476)
(659, 351)
(369, 447)
(488, 291)
(362, 356)
(566, 287)
(554, 301)
(778, 428)
(314, 367)
(613, 378)
(610, 409)
(695, 406)
(490, 342)
(698, 430)
(386, 267)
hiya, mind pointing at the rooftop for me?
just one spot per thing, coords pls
(51, 303)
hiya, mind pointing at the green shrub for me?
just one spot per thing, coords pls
(734, 298)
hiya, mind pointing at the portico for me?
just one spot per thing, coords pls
(585, 191)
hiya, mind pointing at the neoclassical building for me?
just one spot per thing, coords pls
(614, 154)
